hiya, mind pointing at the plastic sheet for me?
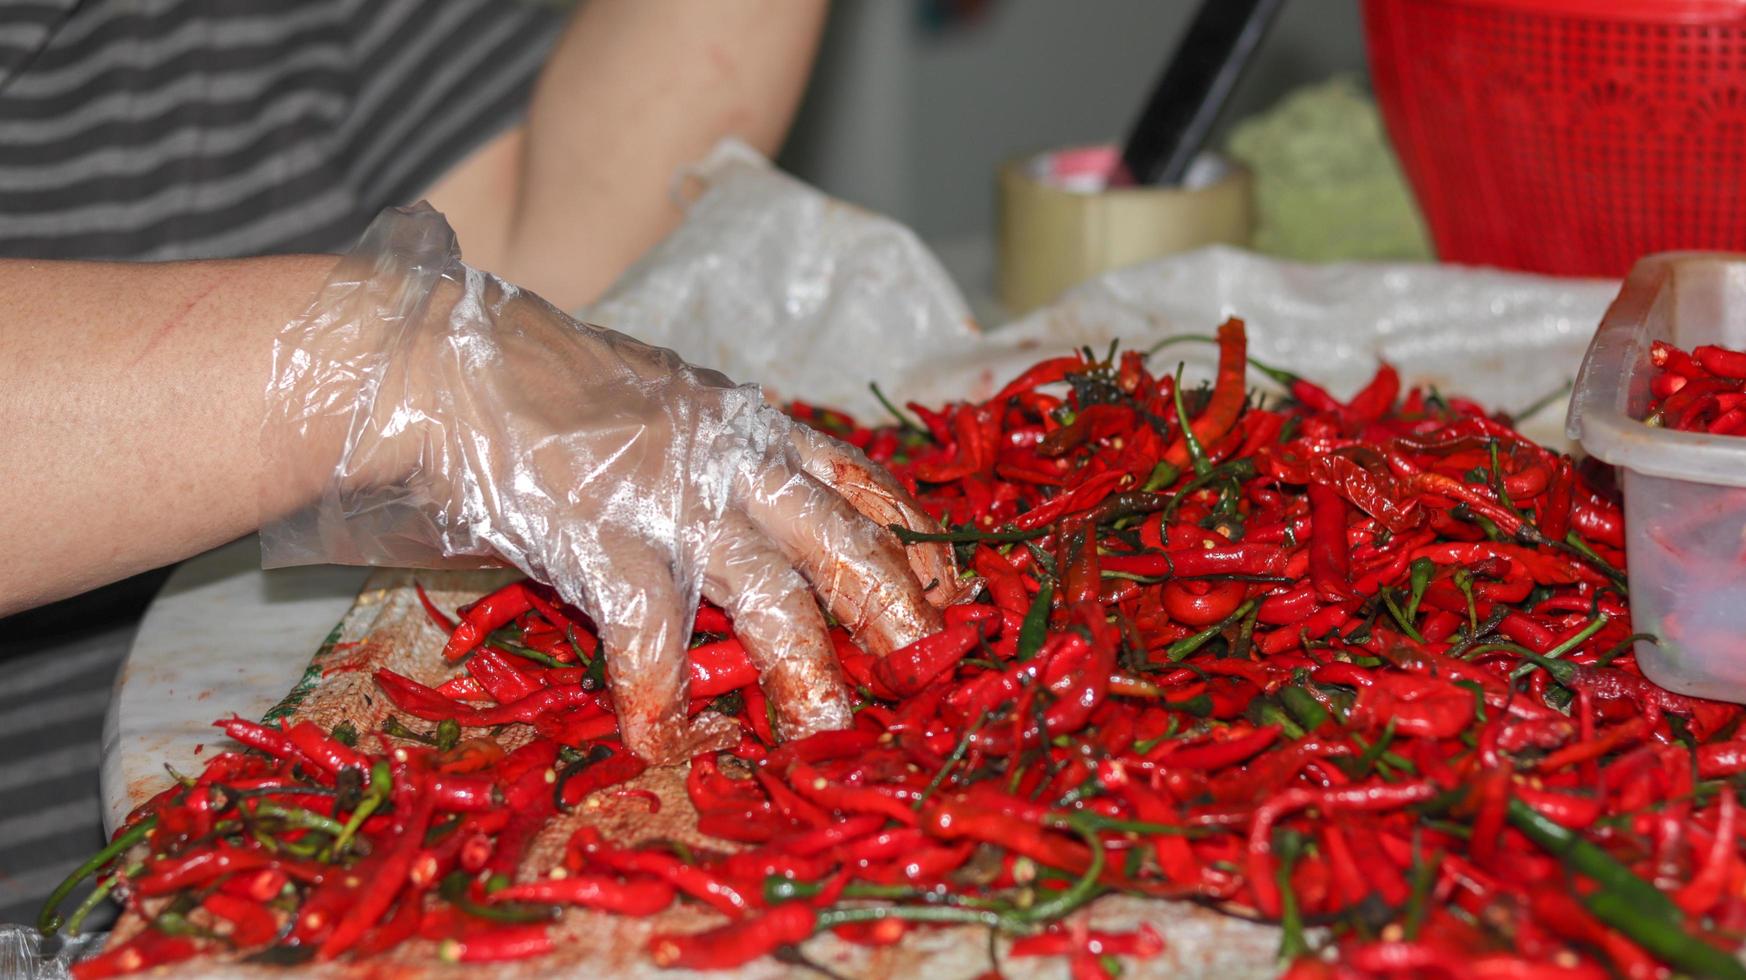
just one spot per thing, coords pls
(26, 955)
(434, 413)
(771, 279)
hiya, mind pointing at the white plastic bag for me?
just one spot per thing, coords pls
(26, 954)
(771, 280)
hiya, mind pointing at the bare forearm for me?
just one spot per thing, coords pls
(634, 90)
(130, 402)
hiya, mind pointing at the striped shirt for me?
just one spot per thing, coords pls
(160, 129)
(167, 129)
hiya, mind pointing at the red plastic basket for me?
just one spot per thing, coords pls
(1567, 136)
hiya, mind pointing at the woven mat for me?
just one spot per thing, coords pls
(388, 627)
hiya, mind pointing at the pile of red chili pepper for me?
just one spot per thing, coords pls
(1360, 668)
(1700, 391)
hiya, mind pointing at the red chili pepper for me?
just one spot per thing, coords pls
(1330, 573)
(720, 667)
(1217, 753)
(1705, 889)
(1230, 389)
(512, 942)
(1198, 604)
(955, 819)
(147, 949)
(250, 923)
(485, 616)
(756, 714)
(637, 896)
(463, 794)
(1366, 796)
(414, 807)
(269, 740)
(1720, 759)
(708, 888)
(1376, 398)
(1143, 943)
(205, 866)
(436, 615)
(736, 943)
(500, 677)
(1720, 361)
(402, 924)
(848, 799)
(531, 707)
(1042, 373)
(463, 687)
(418, 700)
(908, 669)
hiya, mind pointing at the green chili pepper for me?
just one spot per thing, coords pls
(1560, 650)
(903, 421)
(947, 914)
(1589, 860)
(1623, 646)
(1188, 644)
(1238, 469)
(1574, 544)
(294, 816)
(1423, 877)
(1495, 478)
(1196, 453)
(508, 640)
(1400, 618)
(1163, 475)
(1289, 846)
(1373, 753)
(454, 891)
(1035, 627)
(96, 898)
(49, 920)
(1668, 941)
(381, 783)
(394, 729)
(1419, 578)
(1543, 401)
(1304, 708)
(1463, 580)
(1085, 888)
(968, 535)
(952, 760)
(1270, 713)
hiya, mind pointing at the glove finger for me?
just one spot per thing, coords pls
(779, 622)
(643, 629)
(881, 499)
(855, 566)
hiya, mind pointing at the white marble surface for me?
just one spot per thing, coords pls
(223, 636)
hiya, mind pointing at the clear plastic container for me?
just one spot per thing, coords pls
(1685, 493)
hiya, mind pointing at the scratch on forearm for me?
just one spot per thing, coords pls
(172, 322)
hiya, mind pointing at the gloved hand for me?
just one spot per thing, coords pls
(436, 415)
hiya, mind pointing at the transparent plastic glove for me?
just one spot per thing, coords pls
(433, 414)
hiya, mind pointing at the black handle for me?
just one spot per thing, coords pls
(1194, 88)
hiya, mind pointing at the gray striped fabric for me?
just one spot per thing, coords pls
(57, 668)
(159, 129)
(162, 129)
